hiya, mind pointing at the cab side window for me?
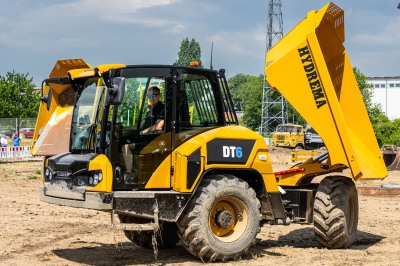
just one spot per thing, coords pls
(196, 102)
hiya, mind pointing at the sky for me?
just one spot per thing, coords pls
(35, 34)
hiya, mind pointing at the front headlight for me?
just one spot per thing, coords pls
(46, 172)
(95, 179)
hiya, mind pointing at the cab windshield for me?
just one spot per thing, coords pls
(87, 116)
(286, 129)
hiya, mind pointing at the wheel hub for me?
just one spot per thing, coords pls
(224, 218)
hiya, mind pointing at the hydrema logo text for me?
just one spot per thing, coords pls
(232, 152)
(312, 76)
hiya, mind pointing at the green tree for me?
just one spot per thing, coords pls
(247, 97)
(130, 107)
(11, 85)
(234, 84)
(246, 93)
(189, 51)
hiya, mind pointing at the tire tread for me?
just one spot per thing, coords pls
(190, 228)
(330, 226)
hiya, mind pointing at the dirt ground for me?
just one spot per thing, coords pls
(37, 233)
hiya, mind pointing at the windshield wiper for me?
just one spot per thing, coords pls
(91, 136)
(93, 127)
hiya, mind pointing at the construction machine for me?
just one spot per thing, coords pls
(203, 179)
(289, 136)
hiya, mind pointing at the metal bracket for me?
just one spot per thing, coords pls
(152, 226)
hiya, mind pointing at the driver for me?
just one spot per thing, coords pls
(155, 116)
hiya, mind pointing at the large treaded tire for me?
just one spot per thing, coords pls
(336, 212)
(166, 237)
(222, 219)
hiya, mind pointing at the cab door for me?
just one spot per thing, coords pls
(139, 158)
(198, 108)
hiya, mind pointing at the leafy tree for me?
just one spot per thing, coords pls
(10, 86)
(235, 83)
(189, 51)
(387, 132)
(130, 107)
(247, 97)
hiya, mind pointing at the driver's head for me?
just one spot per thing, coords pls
(154, 95)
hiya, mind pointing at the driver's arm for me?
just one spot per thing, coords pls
(158, 125)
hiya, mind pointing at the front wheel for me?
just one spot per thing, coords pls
(222, 219)
(336, 212)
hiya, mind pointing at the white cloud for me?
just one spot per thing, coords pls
(87, 12)
(390, 35)
(76, 24)
(178, 28)
(143, 21)
(116, 7)
(241, 43)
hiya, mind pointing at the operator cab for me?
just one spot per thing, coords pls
(111, 113)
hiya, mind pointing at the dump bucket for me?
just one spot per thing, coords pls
(311, 69)
(53, 125)
(391, 157)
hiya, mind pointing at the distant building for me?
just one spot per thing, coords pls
(387, 93)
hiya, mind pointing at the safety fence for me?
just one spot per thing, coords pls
(15, 152)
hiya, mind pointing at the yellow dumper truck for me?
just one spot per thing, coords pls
(203, 179)
(288, 136)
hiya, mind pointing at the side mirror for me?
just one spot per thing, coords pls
(47, 98)
(116, 92)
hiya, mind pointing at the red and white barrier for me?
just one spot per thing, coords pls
(15, 152)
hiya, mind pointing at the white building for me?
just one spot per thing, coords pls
(387, 93)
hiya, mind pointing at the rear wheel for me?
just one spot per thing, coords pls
(222, 219)
(166, 237)
(336, 212)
